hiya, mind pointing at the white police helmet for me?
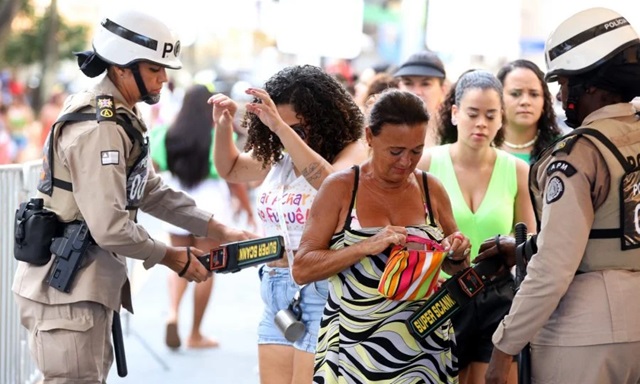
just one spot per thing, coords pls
(585, 41)
(131, 36)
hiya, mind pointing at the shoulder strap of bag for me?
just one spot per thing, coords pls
(347, 221)
(425, 184)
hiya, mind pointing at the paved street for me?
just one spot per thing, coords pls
(232, 317)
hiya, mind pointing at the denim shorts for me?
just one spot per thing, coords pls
(277, 289)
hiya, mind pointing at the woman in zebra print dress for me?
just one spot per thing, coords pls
(357, 215)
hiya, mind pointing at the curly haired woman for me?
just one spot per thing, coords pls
(302, 127)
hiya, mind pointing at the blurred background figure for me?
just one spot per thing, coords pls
(19, 116)
(7, 146)
(379, 83)
(164, 112)
(184, 149)
(530, 123)
(364, 80)
(49, 113)
(423, 74)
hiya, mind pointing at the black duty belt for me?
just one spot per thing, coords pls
(454, 294)
(233, 257)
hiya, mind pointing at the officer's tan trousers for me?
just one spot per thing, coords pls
(70, 343)
(592, 364)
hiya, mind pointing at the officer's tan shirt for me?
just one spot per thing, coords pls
(99, 197)
(554, 306)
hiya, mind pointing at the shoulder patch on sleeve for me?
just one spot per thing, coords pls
(555, 190)
(110, 157)
(105, 108)
(565, 145)
(561, 166)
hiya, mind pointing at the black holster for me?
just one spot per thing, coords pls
(69, 249)
(35, 228)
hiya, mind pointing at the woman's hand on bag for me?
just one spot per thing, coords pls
(458, 247)
(223, 109)
(498, 246)
(388, 236)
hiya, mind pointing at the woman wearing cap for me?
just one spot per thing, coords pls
(578, 306)
(96, 172)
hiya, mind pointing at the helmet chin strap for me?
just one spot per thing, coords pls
(146, 96)
(576, 89)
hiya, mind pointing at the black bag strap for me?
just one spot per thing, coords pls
(425, 184)
(347, 222)
(123, 120)
(607, 143)
(606, 233)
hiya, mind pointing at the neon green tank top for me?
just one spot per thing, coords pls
(495, 215)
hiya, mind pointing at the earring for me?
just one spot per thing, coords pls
(454, 121)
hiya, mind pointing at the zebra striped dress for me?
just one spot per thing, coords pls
(363, 336)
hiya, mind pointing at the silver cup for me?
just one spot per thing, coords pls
(289, 324)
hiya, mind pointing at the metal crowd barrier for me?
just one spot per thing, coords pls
(17, 183)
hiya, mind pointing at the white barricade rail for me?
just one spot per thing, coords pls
(17, 183)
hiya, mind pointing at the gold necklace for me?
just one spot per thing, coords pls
(522, 146)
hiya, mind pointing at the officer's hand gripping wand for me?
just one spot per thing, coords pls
(524, 357)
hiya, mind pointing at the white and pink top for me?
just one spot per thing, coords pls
(285, 198)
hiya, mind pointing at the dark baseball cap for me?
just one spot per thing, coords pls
(425, 63)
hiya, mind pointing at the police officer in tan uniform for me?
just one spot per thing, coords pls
(578, 306)
(96, 170)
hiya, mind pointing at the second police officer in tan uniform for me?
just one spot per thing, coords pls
(578, 305)
(96, 170)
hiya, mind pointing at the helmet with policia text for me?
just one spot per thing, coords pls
(126, 39)
(585, 41)
(596, 47)
(131, 36)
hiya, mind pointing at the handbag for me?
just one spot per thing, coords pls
(412, 274)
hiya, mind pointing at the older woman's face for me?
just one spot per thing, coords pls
(396, 150)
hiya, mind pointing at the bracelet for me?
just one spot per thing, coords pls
(186, 266)
(458, 235)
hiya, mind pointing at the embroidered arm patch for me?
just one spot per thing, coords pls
(561, 166)
(555, 190)
(105, 108)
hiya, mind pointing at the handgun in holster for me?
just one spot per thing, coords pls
(235, 256)
(69, 251)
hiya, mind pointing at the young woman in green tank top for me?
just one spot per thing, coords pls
(489, 194)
